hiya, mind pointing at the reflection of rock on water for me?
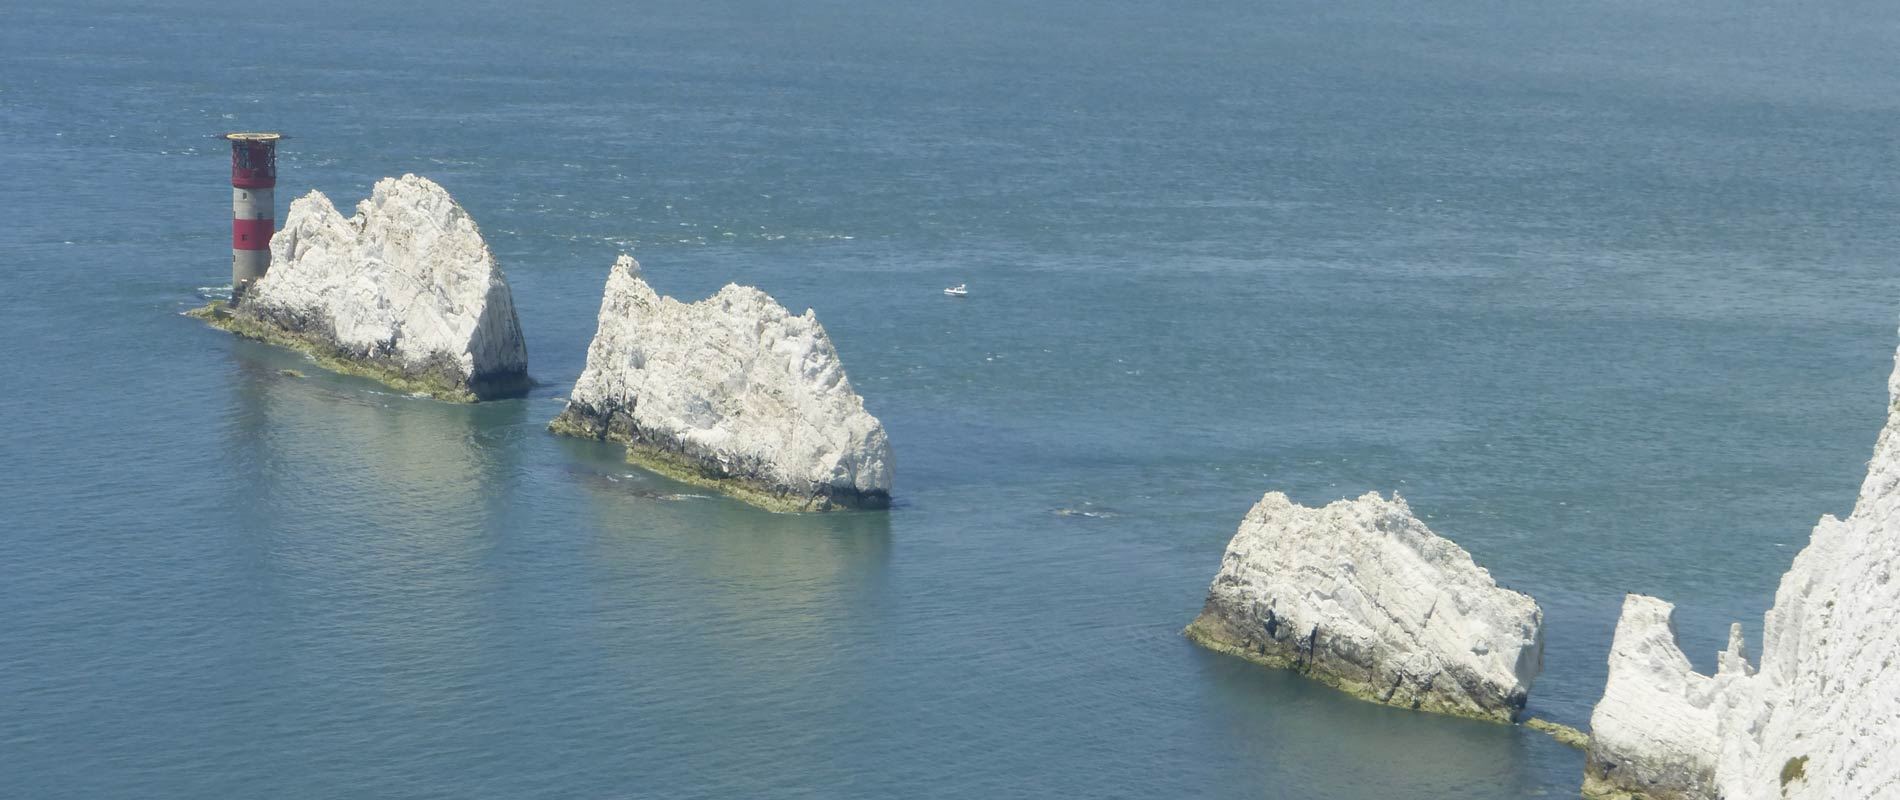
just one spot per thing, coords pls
(778, 597)
(371, 518)
(678, 522)
(632, 484)
(394, 466)
(759, 630)
(1290, 722)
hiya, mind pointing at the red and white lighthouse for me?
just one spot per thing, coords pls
(253, 207)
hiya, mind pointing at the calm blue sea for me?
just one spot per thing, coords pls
(1605, 289)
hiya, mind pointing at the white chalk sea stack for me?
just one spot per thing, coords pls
(405, 292)
(1820, 716)
(1653, 733)
(732, 392)
(1363, 596)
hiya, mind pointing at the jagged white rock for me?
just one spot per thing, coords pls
(405, 291)
(1653, 732)
(733, 392)
(1821, 716)
(1363, 596)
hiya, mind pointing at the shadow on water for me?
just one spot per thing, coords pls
(701, 602)
(721, 539)
(395, 459)
(1289, 726)
(369, 519)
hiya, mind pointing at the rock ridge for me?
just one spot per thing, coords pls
(405, 292)
(733, 392)
(1362, 596)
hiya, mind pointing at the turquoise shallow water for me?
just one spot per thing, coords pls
(1605, 291)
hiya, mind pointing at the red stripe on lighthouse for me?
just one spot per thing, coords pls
(253, 164)
(251, 234)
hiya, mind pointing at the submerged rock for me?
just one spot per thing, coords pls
(1362, 596)
(405, 292)
(1564, 734)
(1820, 718)
(732, 392)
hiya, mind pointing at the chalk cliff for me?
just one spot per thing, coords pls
(405, 292)
(1820, 718)
(1363, 596)
(732, 392)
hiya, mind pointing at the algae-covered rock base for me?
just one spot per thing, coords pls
(1564, 734)
(1361, 596)
(405, 292)
(734, 393)
(439, 381)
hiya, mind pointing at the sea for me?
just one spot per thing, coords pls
(1606, 290)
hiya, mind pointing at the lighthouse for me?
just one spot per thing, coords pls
(253, 207)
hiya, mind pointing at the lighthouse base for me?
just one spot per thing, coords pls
(247, 268)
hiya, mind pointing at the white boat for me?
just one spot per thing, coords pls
(959, 290)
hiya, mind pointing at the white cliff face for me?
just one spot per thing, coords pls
(407, 284)
(732, 391)
(1821, 716)
(1362, 595)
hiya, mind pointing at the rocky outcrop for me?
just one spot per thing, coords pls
(1654, 732)
(1820, 718)
(405, 292)
(732, 392)
(1361, 595)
